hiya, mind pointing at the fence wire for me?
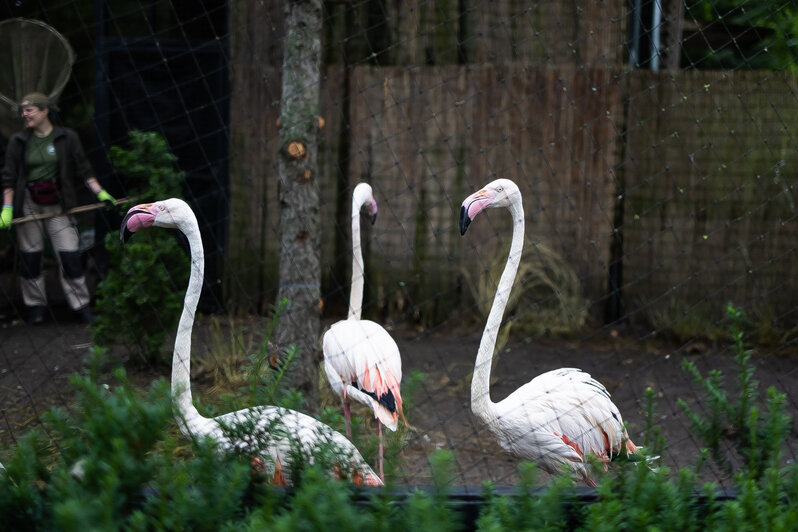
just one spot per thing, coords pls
(652, 144)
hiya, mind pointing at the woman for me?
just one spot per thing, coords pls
(43, 165)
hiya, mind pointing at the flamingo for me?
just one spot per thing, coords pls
(280, 428)
(560, 417)
(361, 359)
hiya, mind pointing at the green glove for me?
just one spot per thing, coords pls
(5, 216)
(103, 195)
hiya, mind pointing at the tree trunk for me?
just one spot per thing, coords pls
(300, 271)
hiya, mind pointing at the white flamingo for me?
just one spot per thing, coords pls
(560, 417)
(251, 430)
(361, 359)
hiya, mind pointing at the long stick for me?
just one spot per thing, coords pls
(73, 210)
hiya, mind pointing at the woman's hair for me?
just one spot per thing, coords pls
(54, 115)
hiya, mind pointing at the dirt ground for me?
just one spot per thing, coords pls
(36, 362)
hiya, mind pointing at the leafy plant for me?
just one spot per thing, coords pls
(530, 509)
(109, 463)
(653, 440)
(148, 166)
(774, 23)
(112, 461)
(267, 367)
(757, 436)
(432, 510)
(139, 300)
(640, 499)
(113, 467)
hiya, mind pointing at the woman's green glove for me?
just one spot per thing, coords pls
(5, 216)
(103, 195)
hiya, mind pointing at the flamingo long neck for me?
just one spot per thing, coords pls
(481, 404)
(181, 360)
(356, 289)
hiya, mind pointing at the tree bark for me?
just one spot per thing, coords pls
(300, 270)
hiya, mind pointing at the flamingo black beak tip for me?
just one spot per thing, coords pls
(465, 220)
(124, 232)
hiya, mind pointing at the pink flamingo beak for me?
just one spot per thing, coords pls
(136, 218)
(472, 206)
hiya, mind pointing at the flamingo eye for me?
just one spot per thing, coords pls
(499, 189)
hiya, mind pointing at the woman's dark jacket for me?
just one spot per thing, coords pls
(74, 167)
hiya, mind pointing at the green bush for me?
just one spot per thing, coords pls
(113, 466)
(756, 436)
(148, 166)
(115, 461)
(139, 299)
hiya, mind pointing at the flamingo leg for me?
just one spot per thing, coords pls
(347, 416)
(379, 450)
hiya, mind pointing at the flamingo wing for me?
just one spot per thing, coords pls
(362, 361)
(560, 417)
(278, 433)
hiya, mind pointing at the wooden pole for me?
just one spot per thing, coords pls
(73, 210)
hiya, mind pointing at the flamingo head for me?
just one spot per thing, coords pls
(499, 193)
(169, 213)
(363, 196)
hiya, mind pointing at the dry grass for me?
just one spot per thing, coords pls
(546, 299)
(674, 318)
(223, 363)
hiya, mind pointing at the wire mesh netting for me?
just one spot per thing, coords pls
(649, 147)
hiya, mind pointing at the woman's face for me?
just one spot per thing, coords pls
(33, 116)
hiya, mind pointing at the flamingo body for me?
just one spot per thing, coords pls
(268, 432)
(560, 417)
(275, 432)
(361, 360)
(557, 419)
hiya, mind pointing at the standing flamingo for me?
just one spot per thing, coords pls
(361, 359)
(280, 429)
(559, 417)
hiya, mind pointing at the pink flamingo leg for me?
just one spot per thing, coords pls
(379, 449)
(348, 422)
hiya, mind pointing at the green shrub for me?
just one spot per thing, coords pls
(140, 298)
(756, 436)
(530, 509)
(148, 166)
(114, 461)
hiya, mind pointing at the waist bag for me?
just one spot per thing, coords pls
(44, 192)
